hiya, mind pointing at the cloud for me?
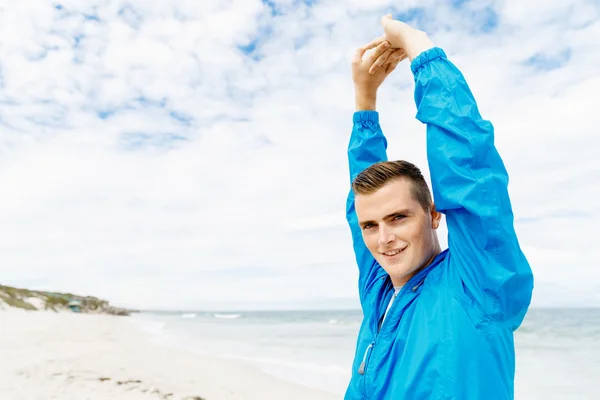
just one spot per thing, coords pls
(193, 155)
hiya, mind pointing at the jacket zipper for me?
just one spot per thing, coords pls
(361, 369)
(363, 364)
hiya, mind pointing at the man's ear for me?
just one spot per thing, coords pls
(436, 217)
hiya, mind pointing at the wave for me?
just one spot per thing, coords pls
(227, 316)
(188, 315)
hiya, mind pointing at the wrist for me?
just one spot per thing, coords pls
(421, 44)
(365, 100)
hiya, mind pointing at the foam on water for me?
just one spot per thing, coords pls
(227, 316)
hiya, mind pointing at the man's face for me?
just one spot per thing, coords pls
(397, 230)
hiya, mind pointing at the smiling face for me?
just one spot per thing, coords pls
(400, 234)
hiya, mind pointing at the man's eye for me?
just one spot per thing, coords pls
(399, 217)
(367, 226)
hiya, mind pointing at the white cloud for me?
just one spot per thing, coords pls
(147, 159)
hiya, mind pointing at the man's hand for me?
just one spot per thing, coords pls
(368, 74)
(403, 36)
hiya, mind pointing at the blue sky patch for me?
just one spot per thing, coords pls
(301, 41)
(138, 140)
(412, 16)
(252, 48)
(91, 17)
(458, 3)
(544, 62)
(308, 3)
(278, 9)
(272, 6)
(148, 102)
(131, 16)
(105, 114)
(77, 39)
(137, 102)
(488, 20)
(181, 118)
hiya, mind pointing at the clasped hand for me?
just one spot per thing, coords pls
(399, 41)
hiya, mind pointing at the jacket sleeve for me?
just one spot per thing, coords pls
(470, 186)
(367, 146)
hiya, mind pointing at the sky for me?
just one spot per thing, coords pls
(178, 154)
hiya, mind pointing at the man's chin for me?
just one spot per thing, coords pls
(398, 271)
(405, 273)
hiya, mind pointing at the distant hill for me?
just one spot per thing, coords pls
(50, 301)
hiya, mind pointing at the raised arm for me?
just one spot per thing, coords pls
(367, 144)
(469, 181)
(470, 185)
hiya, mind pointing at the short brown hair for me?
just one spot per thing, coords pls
(378, 175)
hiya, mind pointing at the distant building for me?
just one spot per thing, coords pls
(75, 305)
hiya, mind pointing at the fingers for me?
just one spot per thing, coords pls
(379, 50)
(358, 55)
(360, 52)
(380, 61)
(394, 56)
(393, 60)
(392, 66)
(376, 42)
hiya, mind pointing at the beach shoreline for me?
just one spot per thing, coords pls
(63, 355)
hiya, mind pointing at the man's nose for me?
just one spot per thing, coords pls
(385, 235)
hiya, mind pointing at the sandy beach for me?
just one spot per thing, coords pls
(47, 355)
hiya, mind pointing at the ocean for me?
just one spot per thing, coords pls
(558, 350)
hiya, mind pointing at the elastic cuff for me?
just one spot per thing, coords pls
(365, 116)
(425, 57)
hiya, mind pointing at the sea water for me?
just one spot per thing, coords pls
(558, 350)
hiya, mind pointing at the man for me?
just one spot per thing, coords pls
(437, 324)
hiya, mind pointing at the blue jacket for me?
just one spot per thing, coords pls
(449, 333)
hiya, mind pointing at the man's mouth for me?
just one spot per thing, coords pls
(392, 253)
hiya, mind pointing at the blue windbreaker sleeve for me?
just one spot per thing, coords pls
(367, 146)
(470, 186)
